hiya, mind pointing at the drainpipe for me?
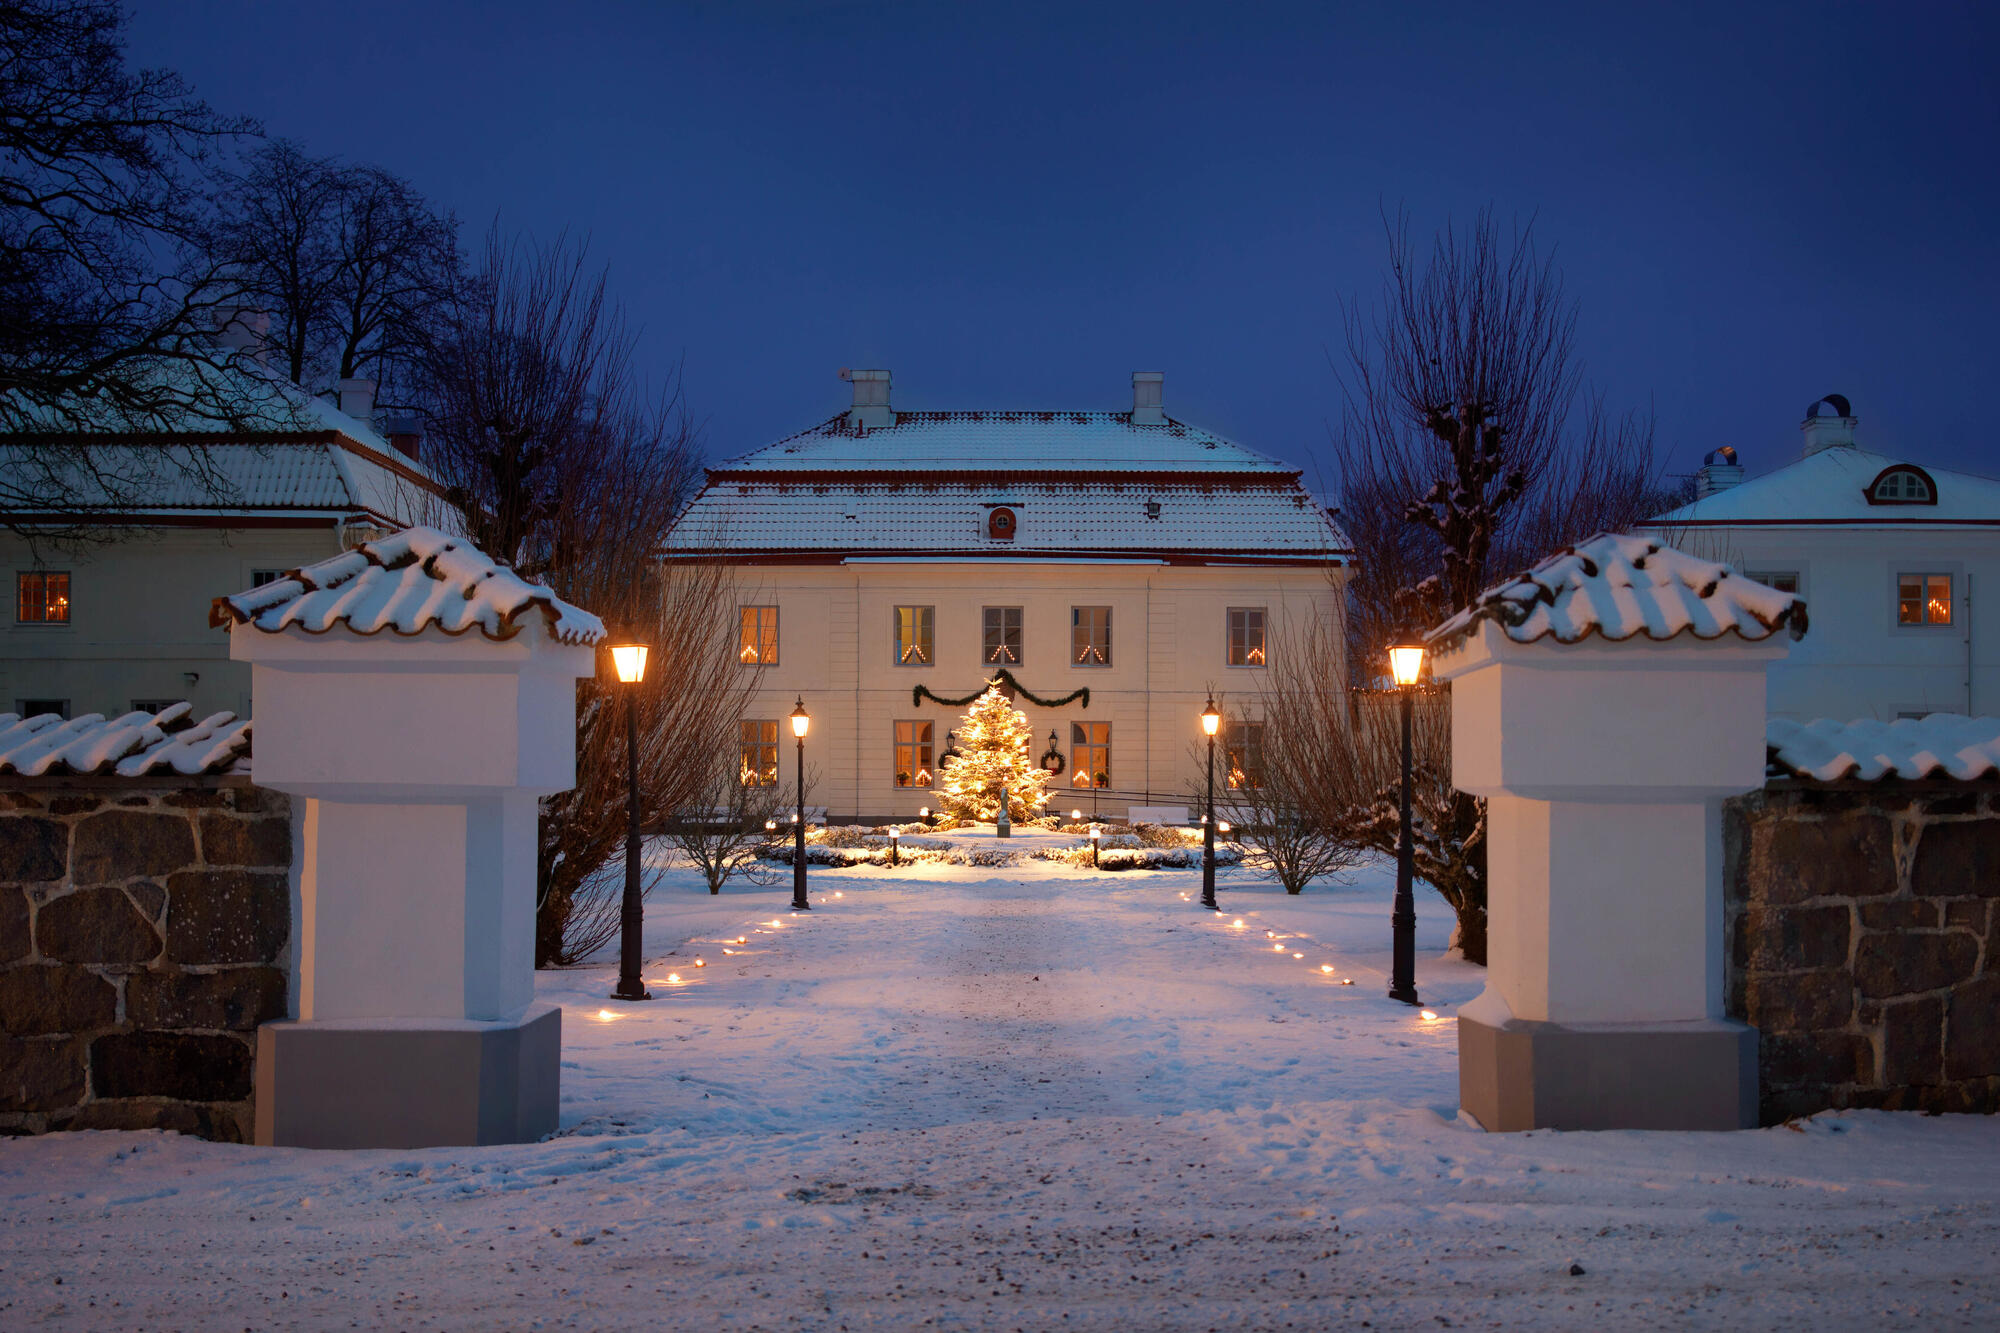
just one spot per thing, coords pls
(1968, 645)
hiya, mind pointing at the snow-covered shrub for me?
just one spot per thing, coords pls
(1167, 835)
(1131, 856)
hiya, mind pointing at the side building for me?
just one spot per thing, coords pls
(114, 569)
(1895, 561)
(1111, 568)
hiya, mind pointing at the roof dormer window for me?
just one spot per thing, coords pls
(1903, 484)
(1000, 523)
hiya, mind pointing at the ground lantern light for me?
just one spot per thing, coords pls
(1095, 834)
(1211, 722)
(1406, 663)
(629, 660)
(893, 835)
(801, 721)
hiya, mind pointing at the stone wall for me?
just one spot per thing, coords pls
(1861, 938)
(143, 937)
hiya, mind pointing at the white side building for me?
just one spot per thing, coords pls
(1117, 566)
(1893, 558)
(120, 621)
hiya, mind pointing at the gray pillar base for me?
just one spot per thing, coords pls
(1519, 1074)
(393, 1083)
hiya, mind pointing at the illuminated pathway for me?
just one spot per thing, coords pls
(958, 1100)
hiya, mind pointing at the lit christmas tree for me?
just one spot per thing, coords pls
(995, 745)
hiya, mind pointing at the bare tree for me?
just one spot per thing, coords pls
(351, 262)
(1288, 832)
(109, 290)
(562, 464)
(722, 829)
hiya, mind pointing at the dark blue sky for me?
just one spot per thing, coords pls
(1013, 205)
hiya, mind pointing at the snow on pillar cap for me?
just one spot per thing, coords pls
(406, 583)
(1617, 587)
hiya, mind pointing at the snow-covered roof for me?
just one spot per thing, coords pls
(406, 583)
(1831, 486)
(131, 746)
(1053, 519)
(1942, 745)
(1617, 586)
(1082, 485)
(985, 442)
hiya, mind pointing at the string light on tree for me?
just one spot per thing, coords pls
(994, 747)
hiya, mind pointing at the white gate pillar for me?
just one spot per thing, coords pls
(418, 698)
(1604, 704)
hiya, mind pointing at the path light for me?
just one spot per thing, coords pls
(629, 660)
(1095, 834)
(1076, 816)
(1406, 662)
(801, 720)
(924, 814)
(674, 978)
(1326, 968)
(1428, 1016)
(893, 835)
(1237, 924)
(1211, 722)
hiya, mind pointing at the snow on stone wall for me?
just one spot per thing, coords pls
(132, 745)
(1942, 745)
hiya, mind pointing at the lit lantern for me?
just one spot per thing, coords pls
(1406, 662)
(629, 660)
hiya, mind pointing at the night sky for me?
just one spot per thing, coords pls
(1011, 205)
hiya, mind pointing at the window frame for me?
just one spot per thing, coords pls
(260, 577)
(1902, 470)
(986, 649)
(61, 710)
(1764, 576)
(22, 580)
(1076, 627)
(1950, 572)
(746, 743)
(762, 637)
(925, 625)
(922, 744)
(1263, 648)
(1255, 774)
(1082, 742)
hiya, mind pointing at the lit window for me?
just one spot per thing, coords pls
(1246, 636)
(41, 598)
(913, 636)
(1784, 580)
(1002, 636)
(1090, 635)
(757, 635)
(1090, 754)
(758, 762)
(1923, 599)
(913, 754)
(1243, 743)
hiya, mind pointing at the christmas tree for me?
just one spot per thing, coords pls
(994, 752)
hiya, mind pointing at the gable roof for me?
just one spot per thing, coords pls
(406, 583)
(1830, 487)
(1619, 586)
(1090, 443)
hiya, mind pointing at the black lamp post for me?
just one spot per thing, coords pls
(1211, 722)
(1095, 834)
(630, 661)
(801, 720)
(1406, 663)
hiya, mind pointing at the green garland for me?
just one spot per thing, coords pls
(1005, 677)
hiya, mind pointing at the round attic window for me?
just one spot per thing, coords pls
(1000, 523)
(1903, 484)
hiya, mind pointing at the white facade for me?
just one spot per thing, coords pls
(891, 550)
(1855, 533)
(107, 626)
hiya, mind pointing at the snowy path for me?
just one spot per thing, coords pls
(961, 1098)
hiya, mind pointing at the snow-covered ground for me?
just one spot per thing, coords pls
(1016, 1098)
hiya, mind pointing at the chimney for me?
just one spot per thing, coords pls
(1719, 471)
(1832, 431)
(357, 399)
(243, 331)
(871, 408)
(1148, 389)
(405, 435)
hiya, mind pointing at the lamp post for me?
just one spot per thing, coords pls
(629, 659)
(1211, 722)
(892, 848)
(1095, 834)
(801, 720)
(1406, 663)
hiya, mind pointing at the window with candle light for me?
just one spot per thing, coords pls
(1090, 754)
(1090, 636)
(1243, 743)
(1246, 636)
(41, 597)
(757, 636)
(913, 754)
(1000, 635)
(1923, 600)
(913, 627)
(758, 751)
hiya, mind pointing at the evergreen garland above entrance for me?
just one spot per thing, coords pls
(1003, 677)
